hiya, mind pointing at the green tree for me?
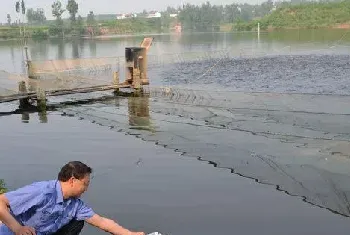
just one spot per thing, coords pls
(171, 10)
(90, 19)
(80, 25)
(72, 8)
(57, 10)
(36, 17)
(91, 23)
(231, 13)
(17, 6)
(9, 19)
(30, 15)
(23, 7)
(201, 18)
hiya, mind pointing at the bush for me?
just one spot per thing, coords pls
(2, 187)
(40, 34)
(55, 30)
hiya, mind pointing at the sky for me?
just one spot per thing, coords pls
(106, 6)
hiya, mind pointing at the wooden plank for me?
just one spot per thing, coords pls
(15, 97)
(146, 43)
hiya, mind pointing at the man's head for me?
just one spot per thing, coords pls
(74, 178)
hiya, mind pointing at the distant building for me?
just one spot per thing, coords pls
(120, 16)
(126, 16)
(173, 15)
(154, 14)
(131, 15)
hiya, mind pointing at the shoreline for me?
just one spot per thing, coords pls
(224, 29)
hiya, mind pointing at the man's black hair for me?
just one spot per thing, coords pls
(76, 169)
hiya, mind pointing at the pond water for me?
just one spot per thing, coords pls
(207, 155)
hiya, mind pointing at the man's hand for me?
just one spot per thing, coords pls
(137, 233)
(110, 226)
(25, 230)
(7, 218)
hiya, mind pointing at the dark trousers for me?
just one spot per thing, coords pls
(72, 228)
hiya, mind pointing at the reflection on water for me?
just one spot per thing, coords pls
(61, 50)
(75, 49)
(25, 117)
(93, 48)
(138, 112)
(138, 109)
(42, 117)
(39, 50)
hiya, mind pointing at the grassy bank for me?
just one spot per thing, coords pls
(30, 31)
(106, 27)
(135, 25)
(304, 16)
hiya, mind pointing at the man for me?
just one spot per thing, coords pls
(54, 207)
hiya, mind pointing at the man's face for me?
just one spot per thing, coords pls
(80, 186)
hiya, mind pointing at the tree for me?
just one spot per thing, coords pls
(20, 6)
(30, 15)
(171, 10)
(72, 8)
(23, 8)
(232, 13)
(36, 17)
(90, 20)
(40, 15)
(57, 10)
(91, 23)
(80, 24)
(9, 19)
(17, 7)
(80, 20)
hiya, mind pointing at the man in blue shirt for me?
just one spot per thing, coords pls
(54, 207)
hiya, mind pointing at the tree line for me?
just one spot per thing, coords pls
(209, 17)
(59, 27)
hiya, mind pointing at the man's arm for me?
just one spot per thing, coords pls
(9, 220)
(5, 215)
(110, 226)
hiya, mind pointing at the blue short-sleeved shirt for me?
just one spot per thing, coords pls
(40, 205)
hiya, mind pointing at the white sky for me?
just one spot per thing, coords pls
(106, 6)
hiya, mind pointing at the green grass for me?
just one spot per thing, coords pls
(311, 15)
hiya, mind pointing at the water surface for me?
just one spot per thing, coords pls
(273, 109)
